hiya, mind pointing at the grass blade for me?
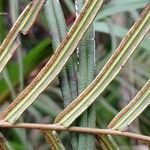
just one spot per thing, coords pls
(86, 68)
(119, 31)
(58, 30)
(9, 84)
(127, 115)
(54, 65)
(109, 71)
(14, 12)
(22, 25)
(117, 6)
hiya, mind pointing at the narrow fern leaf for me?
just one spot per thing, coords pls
(127, 115)
(8, 54)
(3, 143)
(107, 142)
(32, 15)
(55, 64)
(53, 139)
(108, 72)
(22, 25)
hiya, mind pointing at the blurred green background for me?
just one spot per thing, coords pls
(111, 24)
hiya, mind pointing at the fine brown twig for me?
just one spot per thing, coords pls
(57, 127)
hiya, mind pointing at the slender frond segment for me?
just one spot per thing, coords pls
(53, 139)
(22, 25)
(3, 143)
(127, 115)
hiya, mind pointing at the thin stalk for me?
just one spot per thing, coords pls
(57, 127)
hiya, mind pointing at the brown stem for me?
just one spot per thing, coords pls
(74, 129)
